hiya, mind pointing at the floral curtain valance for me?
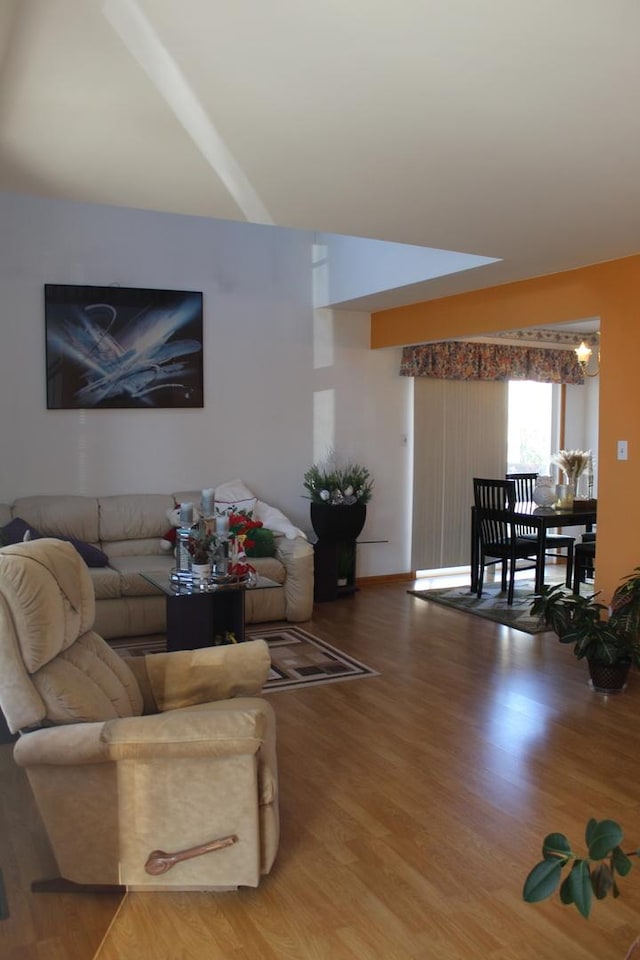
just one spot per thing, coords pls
(456, 360)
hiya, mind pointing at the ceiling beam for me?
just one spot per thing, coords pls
(143, 43)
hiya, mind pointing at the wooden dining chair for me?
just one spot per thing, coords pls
(499, 541)
(553, 542)
(584, 563)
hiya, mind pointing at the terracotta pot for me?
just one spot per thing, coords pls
(608, 677)
(335, 524)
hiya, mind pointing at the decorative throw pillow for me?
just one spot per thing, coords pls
(233, 490)
(227, 507)
(233, 497)
(16, 529)
(92, 556)
(260, 542)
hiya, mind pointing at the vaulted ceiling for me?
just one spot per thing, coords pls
(502, 129)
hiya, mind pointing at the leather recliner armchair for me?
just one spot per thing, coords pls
(157, 772)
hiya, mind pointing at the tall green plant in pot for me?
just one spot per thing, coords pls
(610, 644)
(339, 491)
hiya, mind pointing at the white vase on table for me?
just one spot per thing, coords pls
(201, 571)
(544, 492)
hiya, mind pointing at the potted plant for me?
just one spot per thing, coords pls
(339, 492)
(200, 546)
(625, 604)
(610, 644)
(593, 874)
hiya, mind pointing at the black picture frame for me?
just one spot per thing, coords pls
(123, 347)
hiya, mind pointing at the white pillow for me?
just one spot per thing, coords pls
(232, 491)
(224, 507)
(233, 496)
(274, 519)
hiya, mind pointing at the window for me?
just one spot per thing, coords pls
(532, 426)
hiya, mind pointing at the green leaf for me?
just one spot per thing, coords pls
(556, 845)
(590, 831)
(620, 862)
(580, 886)
(601, 880)
(566, 896)
(605, 836)
(542, 881)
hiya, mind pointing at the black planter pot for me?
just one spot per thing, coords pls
(608, 677)
(336, 524)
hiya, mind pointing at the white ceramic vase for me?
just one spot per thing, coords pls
(201, 571)
(544, 492)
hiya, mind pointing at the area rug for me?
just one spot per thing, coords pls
(492, 605)
(297, 658)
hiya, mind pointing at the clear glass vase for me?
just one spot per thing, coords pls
(565, 495)
(583, 485)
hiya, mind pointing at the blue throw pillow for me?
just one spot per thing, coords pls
(14, 531)
(92, 556)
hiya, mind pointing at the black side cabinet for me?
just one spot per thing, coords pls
(334, 569)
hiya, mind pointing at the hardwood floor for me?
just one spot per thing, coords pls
(413, 805)
(40, 926)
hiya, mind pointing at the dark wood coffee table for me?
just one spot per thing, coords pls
(204, 618)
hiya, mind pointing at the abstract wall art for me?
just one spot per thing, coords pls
(123, 347)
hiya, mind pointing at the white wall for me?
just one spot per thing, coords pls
(260, 380)
(364, 411)
(582, 420)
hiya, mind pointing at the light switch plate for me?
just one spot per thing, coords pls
(622, 450)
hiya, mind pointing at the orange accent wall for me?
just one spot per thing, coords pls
(610, 291)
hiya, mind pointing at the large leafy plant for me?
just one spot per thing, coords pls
(625, 604)
(580, 621)
(592, 875)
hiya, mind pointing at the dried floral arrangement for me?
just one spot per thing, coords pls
(573, 463)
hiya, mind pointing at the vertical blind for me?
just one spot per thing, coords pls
(460, 432)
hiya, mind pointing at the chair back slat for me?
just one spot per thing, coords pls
(494, 494)
(496, 527)
(525, 484)
(494, 502)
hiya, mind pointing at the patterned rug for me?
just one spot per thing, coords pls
(493, 604)
(297, 657)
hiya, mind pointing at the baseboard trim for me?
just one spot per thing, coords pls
(386, 578)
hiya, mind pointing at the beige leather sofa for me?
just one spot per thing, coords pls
(129, 528)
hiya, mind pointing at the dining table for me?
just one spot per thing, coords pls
(541, 519)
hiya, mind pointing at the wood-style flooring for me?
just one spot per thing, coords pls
(413, 805)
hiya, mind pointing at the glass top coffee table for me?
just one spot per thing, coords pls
(200, 615)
